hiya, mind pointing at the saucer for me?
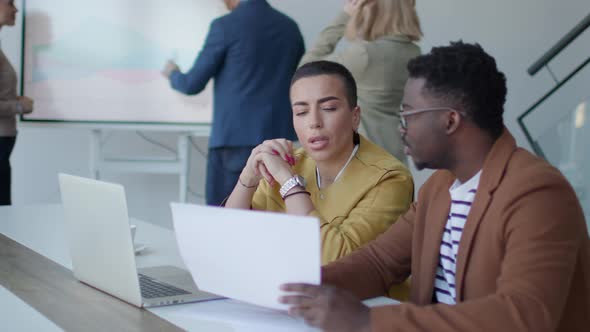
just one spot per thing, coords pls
(139, 248)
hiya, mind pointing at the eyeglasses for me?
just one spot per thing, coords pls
(403, 114)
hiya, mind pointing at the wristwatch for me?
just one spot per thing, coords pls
(296, 180)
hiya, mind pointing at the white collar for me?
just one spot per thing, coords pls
(317, 170)
(462, 188)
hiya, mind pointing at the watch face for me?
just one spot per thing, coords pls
(300, 180)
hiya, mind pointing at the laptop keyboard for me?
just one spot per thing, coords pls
(151, 288)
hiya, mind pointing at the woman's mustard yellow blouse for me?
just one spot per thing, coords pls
(372, 192)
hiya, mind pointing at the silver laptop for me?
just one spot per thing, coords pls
(102, 250)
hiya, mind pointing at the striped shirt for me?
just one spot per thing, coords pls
(462, 196)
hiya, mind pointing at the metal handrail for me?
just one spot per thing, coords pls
(559, 46)
(520, 119)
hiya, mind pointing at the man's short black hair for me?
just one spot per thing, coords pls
(465, 74)
(317, 68)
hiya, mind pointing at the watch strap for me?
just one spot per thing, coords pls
(292, 182)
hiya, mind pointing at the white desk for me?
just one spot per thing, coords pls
(40, 228)
(19, 316)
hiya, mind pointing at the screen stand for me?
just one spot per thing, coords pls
(164, 165)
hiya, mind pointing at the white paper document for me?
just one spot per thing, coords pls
(246, 255)
(231, 316)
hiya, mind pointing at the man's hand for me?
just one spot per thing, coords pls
(169, 68)
(327, 307)
(26, 103)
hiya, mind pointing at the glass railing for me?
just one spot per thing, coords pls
(558, 128)
(558, 125)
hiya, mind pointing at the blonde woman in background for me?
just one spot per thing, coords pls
(10, 106)
(382, 35)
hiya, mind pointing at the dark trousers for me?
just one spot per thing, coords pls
(6, 145)
(224, 166)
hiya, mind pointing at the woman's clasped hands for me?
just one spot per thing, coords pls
(272, 160)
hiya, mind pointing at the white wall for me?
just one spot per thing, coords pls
(515, 32)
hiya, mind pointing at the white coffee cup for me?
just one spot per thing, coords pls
(133, 229)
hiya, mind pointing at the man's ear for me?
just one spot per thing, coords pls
(453, 122)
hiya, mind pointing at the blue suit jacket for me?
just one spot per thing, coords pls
(252, 54)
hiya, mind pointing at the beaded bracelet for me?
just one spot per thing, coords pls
(297, 192)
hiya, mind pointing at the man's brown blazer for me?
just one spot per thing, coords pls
(523, 261)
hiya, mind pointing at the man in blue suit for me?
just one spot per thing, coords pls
(251, 53)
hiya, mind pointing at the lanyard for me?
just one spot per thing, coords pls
(317, 171)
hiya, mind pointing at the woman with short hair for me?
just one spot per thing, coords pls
(355, 188)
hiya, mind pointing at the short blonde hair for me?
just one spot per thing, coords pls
(378, 18)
